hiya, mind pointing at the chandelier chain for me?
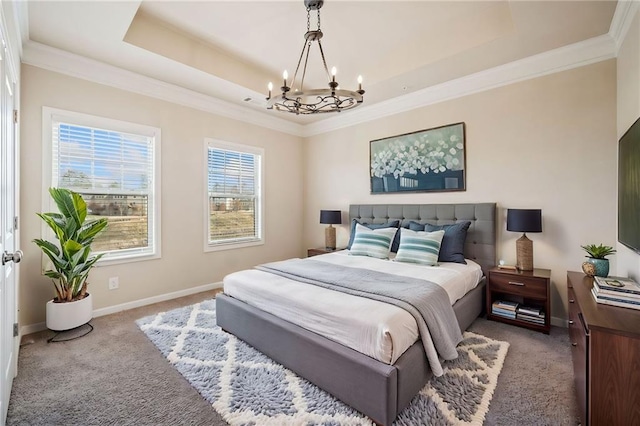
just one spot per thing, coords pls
(295, 99)
(309, 19)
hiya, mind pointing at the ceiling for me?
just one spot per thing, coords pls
(230, 50)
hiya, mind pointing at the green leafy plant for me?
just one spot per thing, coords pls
(71, 257)
(598, 251)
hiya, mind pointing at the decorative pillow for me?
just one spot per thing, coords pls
(372, 242)
(419, 246)
(415, 226)
(391, 224)
(455, 235)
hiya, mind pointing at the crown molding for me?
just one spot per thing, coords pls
(621, 22)
(21, 14)
(63, 62)
(564, 58)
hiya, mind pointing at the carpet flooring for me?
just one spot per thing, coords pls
(247, 387)
(116, 376)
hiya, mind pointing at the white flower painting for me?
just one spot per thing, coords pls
(428, 160)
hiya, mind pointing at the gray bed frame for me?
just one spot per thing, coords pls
(378, 390)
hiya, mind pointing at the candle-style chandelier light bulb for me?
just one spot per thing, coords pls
(313, 101)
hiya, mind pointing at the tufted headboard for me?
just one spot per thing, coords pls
(480, 245)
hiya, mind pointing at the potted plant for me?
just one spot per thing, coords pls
(597, 264)
(71, 259)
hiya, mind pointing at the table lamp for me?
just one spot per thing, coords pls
(331, 217)
(524, 220)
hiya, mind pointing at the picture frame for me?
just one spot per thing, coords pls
(430, 160)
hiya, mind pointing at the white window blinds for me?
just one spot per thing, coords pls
(115, 172)
(102, 160)
(233, 194)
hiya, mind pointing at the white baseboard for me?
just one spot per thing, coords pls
(34, 328)
(559, 322)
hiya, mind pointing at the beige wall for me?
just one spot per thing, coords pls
(546, 143)
(628, 100)
(533, 144)
(184, 264)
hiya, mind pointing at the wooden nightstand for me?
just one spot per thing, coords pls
(322, 250)
(527, 288)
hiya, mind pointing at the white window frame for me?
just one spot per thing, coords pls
(49, 115)
(259, 185)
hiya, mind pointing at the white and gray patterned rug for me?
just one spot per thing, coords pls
(248, 388)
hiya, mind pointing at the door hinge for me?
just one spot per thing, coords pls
(15, 116)
(15, 223)
(16, 331)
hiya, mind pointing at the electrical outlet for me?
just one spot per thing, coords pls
(113, 283)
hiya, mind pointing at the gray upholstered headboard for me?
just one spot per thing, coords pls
(480, 245)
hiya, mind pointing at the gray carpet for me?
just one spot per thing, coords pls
(116, 376)
(247, 387)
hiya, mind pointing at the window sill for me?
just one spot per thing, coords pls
(107, 261)
(232, 246)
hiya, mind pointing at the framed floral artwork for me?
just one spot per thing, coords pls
(431, 160)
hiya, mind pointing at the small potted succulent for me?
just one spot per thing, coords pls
(597, 264)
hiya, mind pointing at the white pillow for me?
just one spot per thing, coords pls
(419, 246)
(372, 242)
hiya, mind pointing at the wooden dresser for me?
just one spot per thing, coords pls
(605, 349)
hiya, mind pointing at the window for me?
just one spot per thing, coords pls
(233, 195)
(114, 166)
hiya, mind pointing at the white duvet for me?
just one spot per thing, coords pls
(376, 329)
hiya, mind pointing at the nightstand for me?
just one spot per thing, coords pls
(529, 289)
(322, 250)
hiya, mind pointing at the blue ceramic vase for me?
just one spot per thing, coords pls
(601, 266)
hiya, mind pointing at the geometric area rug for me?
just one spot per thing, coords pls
(247, 388)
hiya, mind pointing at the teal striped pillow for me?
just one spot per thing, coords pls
(372, 242)
(419, 246)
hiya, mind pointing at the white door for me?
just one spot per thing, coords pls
(9, 253)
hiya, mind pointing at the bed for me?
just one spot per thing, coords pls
(378, 389)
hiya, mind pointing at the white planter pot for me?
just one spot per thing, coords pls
(65, 316)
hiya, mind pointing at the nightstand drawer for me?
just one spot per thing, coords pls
(529, 289)
(519, 285)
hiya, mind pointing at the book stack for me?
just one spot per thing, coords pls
(504, 308)
(530, 314)
(616, 291)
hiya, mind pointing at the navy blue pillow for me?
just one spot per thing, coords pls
(452, 246)
(415, 226)
(392, 224)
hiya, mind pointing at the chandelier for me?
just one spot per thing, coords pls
(313, 101)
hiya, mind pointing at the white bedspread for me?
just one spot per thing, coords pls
(376, 329)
